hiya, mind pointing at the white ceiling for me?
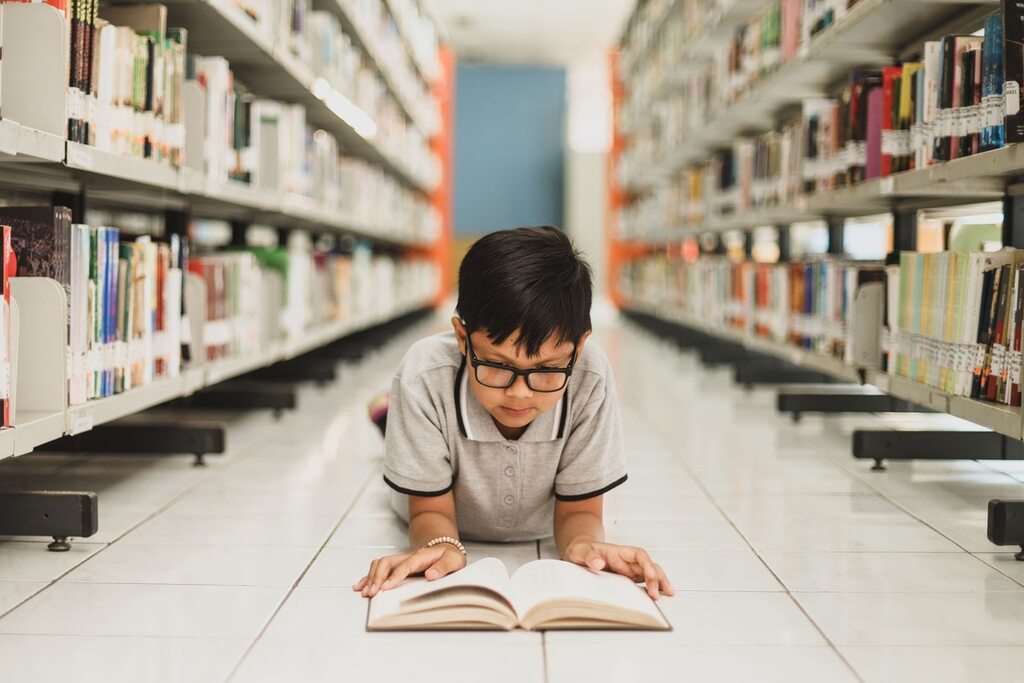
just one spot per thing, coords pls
(554, 32)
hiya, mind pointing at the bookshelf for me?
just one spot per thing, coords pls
(41, 161)
(219, 27)
(872, 33)
(643, 29)
(38, 424)
(1003, 419)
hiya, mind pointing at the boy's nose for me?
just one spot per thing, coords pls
(519, 388)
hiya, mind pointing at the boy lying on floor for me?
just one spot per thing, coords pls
(507, 428)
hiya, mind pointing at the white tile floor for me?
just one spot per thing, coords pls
(795, 562)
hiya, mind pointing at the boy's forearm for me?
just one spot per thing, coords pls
(577, 526)
(427, 526)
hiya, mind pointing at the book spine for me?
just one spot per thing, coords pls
(1013, 69)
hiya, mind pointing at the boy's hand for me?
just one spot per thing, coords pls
(387, 572)
(631, 562)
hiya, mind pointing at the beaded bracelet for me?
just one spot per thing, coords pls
(445, 539)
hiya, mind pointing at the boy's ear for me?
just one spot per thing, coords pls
(460, 333)
(583, 340)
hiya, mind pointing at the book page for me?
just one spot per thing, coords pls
(469, 586)
(559, 581)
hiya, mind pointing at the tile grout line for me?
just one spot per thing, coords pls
(209, 475)
(375, 471)
(866, 480)
(277, 610)
(913, 515)
(700, 482)
(543, 634)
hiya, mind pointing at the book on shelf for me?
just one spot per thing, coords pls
(992, 106)
(955, 97)
(955, 322)
(124, 298)
(539, 596)
(1011, 39)
(233, 283)
(125, 80)
(830, 306)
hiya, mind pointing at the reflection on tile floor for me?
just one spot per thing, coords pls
(794, 562)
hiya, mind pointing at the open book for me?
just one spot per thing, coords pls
(539, 596)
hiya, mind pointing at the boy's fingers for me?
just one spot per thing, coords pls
(594, 560)
(415, 562)
(666, 585)
(368, 578)
(651, 579)
(381, 572)
(619, 566)
(450, 561)
(585, 554)
(358, 585)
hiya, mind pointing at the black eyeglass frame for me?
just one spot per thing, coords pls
(516, 372)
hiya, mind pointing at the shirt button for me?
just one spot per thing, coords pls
(509, 500)
(513, 449)
(509, 471)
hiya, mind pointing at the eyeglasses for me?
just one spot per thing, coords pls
(498, 376)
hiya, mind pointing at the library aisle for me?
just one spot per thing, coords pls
(793, 561)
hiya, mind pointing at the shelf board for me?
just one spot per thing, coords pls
(774, 216)
(6, 443)
(219, 27)
(870, 34)
(83, 417)
(1000, 418)
(103, 167)
(978, 178)
(124, 181)
(805, 358)
(995, 416)
(34, 428)
(233, 366)
(23, 144)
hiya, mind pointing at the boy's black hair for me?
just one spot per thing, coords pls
(526, 280)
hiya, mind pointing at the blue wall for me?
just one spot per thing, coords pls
(508, 147)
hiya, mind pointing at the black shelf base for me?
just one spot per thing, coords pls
(753, 373)
(245, 395)
(302, 369)
(140, 435)
(839, 398)
(724, 353)
(58, 514)
(1006, 524)
(881, 445)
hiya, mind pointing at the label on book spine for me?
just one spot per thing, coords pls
(76, 104)
(1011, 98)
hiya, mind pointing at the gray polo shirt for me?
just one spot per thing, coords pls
(439, 438)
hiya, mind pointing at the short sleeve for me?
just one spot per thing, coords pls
(417, 461)
(593, 460)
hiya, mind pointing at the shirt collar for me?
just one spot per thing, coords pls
(476, 424)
